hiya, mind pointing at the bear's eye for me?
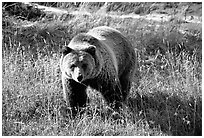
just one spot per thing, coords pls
(72, 66)
(84, 66)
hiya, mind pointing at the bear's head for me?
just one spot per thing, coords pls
(79, 65)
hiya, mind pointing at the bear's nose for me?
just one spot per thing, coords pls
(79, 78)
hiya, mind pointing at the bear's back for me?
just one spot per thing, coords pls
(117, 44)
(107, 35)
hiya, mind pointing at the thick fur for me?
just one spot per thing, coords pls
(102, 59)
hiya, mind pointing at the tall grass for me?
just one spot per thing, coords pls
(168, 100)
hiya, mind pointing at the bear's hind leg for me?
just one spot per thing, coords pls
(125, 81)
(113, 96)
(131, 74)
(114, 99)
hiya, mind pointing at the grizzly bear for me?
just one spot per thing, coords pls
(102, 59)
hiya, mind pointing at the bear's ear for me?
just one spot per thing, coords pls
(66, 50)
(91, 50)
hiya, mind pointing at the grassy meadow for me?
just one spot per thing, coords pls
(167, 102)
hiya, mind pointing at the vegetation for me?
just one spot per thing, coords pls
(167, 102)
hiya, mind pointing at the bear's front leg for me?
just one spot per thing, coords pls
(74, 94)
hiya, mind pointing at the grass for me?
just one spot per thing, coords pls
(170, 95)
